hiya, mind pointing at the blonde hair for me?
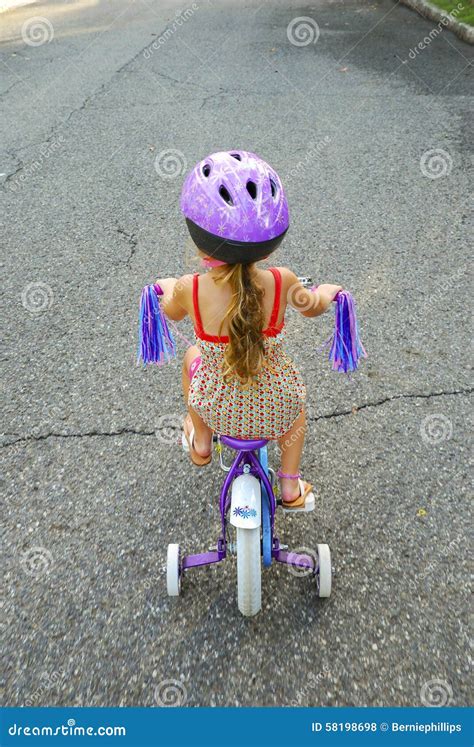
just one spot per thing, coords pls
(244, 354)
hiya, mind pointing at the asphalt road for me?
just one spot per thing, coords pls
(96, 483)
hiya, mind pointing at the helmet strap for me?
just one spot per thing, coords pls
(209, 263)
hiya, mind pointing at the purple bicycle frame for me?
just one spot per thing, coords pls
(246, 455)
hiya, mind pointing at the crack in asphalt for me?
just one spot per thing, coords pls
(133, 243)
(379, 402)
(222, 92)
(86, 434)
(11, 174)
(170, 427)
(99, 91)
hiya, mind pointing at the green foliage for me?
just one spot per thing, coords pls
(466, 15)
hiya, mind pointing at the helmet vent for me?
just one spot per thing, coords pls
(224, 193)
(252, 189)
(273, 187)
(206, 169)
(237, 156)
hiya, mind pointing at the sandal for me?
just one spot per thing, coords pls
(305, 501)
(187, 441)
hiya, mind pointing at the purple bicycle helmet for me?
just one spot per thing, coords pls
(235, 207)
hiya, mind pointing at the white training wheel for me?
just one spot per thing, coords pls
(324, 570)
(173, 575)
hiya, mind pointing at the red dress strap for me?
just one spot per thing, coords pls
(197, 315)
(274, 328)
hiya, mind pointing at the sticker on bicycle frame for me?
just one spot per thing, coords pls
(245, 512)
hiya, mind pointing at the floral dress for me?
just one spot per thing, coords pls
(266, 409)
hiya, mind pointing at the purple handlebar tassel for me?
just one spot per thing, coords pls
(155, 341)
(346, 348)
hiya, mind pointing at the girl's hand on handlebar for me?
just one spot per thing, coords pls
(331, 290)
(172, 301)
(166, 285)
(326, 294)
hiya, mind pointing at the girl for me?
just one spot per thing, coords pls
(237, 379)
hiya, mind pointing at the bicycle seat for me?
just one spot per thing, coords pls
(243, 445)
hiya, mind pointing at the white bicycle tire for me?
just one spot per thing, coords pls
(249, 575)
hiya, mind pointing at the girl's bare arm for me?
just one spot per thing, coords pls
(309, 303)
(176, 295)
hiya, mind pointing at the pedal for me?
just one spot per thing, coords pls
(306, 509)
